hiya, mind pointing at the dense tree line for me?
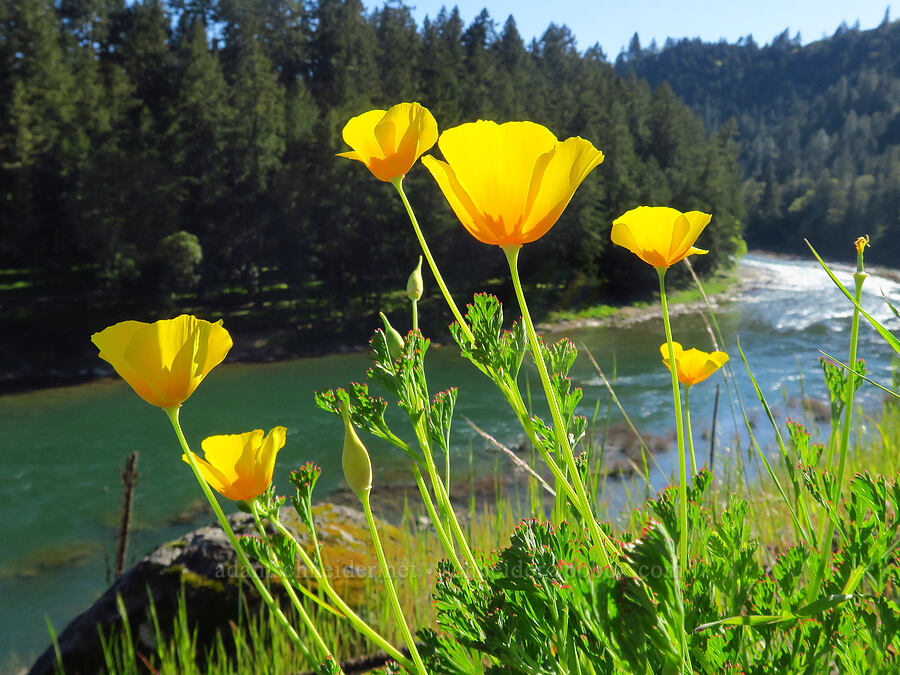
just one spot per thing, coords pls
(157, 154)
(819, 129)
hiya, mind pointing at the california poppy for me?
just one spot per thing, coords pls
(659, 235)
(509, 183)
(390, 141)
(166, 360)
(240, 466)
(693, 365)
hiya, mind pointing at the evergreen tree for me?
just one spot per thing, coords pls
(200, 142)
(342, 55)
(399, 50)
(814, 119)
(189, 145)
(255, 149)
(443, 67)
(42, 138)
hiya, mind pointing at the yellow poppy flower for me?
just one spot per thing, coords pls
(240, 466)
(693, 365)
(389, 142)
(509, 183)
(166, 360)
(659, 235)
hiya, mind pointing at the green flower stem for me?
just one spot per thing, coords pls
(389, 584)
(679, 423)
(682, 468)
(357, 622)
(443, 500)
(687, 427)
(446, 542)
(559, 428)
(289, 589)
(849, 393)
(515, 398)
(398, 183)
(415, 314)
(172, 414)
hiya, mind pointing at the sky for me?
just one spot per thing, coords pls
(612, 22)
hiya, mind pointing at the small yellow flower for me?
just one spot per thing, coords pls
(240, 466)
(509, 183)
(659, 235)
(166, 360)
(389, 142)
(861, 243)
(693, 365)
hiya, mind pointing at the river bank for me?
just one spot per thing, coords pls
(73, 361)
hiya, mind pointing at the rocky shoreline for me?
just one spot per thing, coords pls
(201, 565)
(747, 280)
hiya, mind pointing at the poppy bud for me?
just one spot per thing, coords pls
(394, 341)
(355, 458)
(414, 286)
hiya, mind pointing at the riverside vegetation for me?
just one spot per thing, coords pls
(687, 586)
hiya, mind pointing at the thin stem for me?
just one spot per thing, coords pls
(398, 183)
(415, 314)
(522, 413)
(679, 433)
(446, 542)
(443, 499)
(389, 584)
(679, 422)
(687, 427)
(289, 589)
(559, 428)
(172, 414)
(338, 601)
(849, 392)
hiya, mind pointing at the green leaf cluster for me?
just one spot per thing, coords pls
(548, 606)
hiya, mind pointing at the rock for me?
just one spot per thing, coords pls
(622, 449)
(204, 565)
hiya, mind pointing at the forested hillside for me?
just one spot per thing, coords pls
(819, 129)
(160, 155)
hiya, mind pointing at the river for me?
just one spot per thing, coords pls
(63, 449)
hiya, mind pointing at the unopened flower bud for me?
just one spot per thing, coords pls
(394, 341)
(355, 458)
(414, 286)
(860, 244)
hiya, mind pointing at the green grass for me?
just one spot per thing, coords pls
(259, 644)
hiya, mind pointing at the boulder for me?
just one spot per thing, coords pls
(202, 565)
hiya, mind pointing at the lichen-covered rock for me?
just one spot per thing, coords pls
(204, 565)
